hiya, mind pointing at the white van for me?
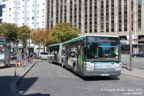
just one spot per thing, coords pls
(43, 55)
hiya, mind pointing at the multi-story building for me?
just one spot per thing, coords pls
(26, 12)
(104, 17)
(2, 5)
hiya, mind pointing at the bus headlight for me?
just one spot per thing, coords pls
(89, 66)
(117, 66)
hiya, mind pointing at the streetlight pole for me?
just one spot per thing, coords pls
(130, 34)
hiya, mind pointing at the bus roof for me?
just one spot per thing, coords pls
(54, 45)
(80, 38)
(83, 37)
(73, 40)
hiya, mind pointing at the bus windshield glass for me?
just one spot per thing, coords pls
(2, 49)
(102, 49)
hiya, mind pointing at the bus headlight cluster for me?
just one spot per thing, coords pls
(89, 66)
(117, 66)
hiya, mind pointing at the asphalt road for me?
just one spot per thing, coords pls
(47, 79)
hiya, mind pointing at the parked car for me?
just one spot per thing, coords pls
(43, 55)
(140, 54)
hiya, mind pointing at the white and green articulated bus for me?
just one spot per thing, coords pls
(4, 52)
(55, 53)
(92, 55)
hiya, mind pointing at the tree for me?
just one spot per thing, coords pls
(63, 32)
(41, 37)
(24, 35)
(9, 30)
(37, 36)
(46, 37)
(13, 33)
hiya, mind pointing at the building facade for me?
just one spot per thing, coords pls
(104, 17)
(26, 12)
(2, 5)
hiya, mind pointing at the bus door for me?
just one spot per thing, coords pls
(80, 58)
(72, 59)
(55, 57)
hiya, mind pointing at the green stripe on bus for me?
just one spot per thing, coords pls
(54, 45)
(77, 39)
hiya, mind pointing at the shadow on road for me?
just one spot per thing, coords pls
(38, 94)
(99, 78)
(26, 83)
(94, 78)
(5, 85)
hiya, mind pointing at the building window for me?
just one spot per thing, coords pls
(139, 13)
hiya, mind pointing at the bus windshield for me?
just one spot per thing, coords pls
(2, 49)
(102, 49)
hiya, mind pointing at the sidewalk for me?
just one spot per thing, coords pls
(137, 63)
(10, 76)
(138, 73)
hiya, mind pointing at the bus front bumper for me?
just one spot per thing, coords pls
(102, 72)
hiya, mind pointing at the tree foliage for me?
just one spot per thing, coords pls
(24, 34)
(15, 33)
(41, 36)
(63, 32)
(9, 30)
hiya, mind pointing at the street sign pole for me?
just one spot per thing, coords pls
(130, 34)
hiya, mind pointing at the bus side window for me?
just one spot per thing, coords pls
(97, 52)
(100, 52)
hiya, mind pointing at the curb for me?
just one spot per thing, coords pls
(15, 82)
(133, 76)
(25, 73)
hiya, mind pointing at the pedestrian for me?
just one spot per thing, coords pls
(19, 59)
